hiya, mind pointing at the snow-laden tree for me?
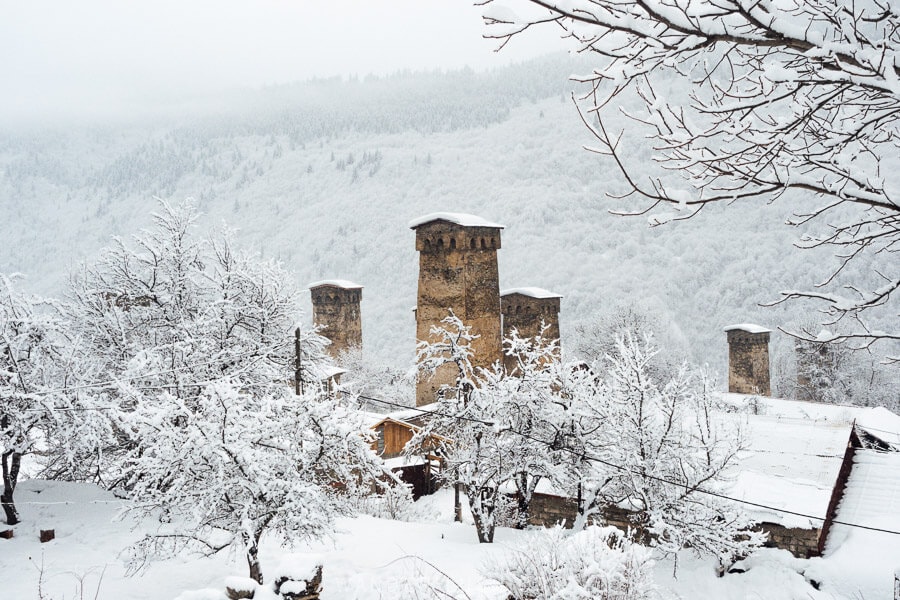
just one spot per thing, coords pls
(474, 454)
(751, 99)
(595, 339)
(535, 409)
(371, 377)
(834, 373)
(190, 347)
(31, 357)
(170, 311)
(241, 461)
(497, 425)
(663, 446)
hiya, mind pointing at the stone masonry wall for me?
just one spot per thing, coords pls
(548, 510)
(526, 314)
(337, 310)
(802, 543)
(748, 363)
(458, 271)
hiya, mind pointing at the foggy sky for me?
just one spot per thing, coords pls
(117, 56)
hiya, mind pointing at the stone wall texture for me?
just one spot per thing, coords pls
(337, 310)
(748, 363)
(458, 272)
(548, 510)
(526, 314)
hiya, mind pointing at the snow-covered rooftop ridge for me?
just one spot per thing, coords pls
(748, 327)
(341, 283)
(880, 422)
(533, 292)
(458, 218)
(332, 370)
(793, 452)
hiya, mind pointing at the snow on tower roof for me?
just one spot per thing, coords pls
(341, 283)
(748, 327)
(533, 292)
(457, 218)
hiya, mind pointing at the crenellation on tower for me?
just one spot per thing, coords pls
(457, 271)
(336, 307)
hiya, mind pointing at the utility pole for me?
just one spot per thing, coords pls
(298, 364)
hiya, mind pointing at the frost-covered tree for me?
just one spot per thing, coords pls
(31, 357)
(633, 437)
(474, 455)
(497, 423)
(837, 374)
(535, 409)
(170, 310)
(768, 98)
(595, 339)
(237, 462)
(196, 343)
(370, 377)
(662, 447)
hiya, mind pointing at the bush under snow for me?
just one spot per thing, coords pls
(597, 563)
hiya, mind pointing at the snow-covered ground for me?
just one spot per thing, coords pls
(366, 558)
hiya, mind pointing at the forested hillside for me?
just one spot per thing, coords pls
(325, 176)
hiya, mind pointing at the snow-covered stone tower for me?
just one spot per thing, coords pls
(748, 359)
(525, 309)
(457, 271)
(336, 307)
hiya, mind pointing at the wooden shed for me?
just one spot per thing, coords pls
(392, 435)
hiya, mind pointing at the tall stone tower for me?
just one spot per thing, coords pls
(748, 359)
(457, 271)
(525, 309)
(336, 308)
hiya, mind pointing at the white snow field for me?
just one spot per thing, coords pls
(367, 558)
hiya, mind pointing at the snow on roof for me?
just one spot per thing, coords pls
(341, 283)
(370, 418)
(329, 371)
(872, 495)
(865, 558)
(457, 218)
(794, 453)
(748, 327)
(533, 292)
(404, 461)
(790, 465)
(881, 423)
(410, 414)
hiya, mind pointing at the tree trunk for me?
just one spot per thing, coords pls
(523, 499)
(484, 526)
(483, 517)
(11, 463)
(252, 543)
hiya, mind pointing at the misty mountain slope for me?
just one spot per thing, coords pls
(336, 205)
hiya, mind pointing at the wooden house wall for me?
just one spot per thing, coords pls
(395, 438)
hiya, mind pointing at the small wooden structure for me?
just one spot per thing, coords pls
(392, 436)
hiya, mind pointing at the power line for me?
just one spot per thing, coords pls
(632, 471)
(582, 456)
